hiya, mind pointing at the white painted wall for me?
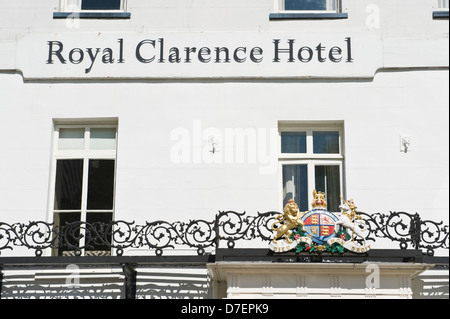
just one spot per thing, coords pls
(408, 94)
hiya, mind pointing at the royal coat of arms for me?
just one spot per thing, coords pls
(319, 229)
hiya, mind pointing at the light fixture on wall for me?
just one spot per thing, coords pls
(405, 143)
(213, 143)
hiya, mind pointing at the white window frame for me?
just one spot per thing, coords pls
(309, 158)
(280, 7)
(75, 6)
(86, 154)
(443, 5)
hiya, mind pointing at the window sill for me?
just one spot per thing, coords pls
(440, 15)
(307, 16)
(92, 15)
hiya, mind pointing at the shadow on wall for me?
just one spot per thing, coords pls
(65, 283)
(103, 284)
(176, 284)
(431, 285)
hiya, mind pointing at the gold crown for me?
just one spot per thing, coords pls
(291, 204)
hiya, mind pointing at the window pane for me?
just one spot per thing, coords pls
(71, 139)
(100, 239)
(100, 5)
(103, 139)
(305, 4)
(293, 142)
(325, 142)
(328, 181)
(295, 185)
(100, 184)
(68, 186)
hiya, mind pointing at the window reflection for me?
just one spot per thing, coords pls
(305, 5)
(100, 5)
(68, 187)
(295, 185)
(293, 142)
(328, 181)
(325, 142)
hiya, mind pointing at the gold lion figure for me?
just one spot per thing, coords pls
(291, 217)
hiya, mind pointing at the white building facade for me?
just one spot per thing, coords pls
(143, 111)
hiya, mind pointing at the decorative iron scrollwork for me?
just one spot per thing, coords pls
(233, 226)
(34, 235)
(408, 230)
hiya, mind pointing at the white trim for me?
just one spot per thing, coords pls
(85, 154)
(294, 126)
(300, 156)
(309, 128)
(311, 166)
(443, 4)
(309, 158)
(77, 122)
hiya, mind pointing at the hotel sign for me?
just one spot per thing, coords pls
(198, 55)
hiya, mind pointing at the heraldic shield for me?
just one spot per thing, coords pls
(320, 225)
(319, 229)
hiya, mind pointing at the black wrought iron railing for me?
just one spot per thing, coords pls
(78, 238)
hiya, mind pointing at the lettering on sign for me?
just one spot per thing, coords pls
(156, 51)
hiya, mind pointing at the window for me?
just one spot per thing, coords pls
(308, 9)
(100, 4)
(92, 9)
(311, 157)
(442, 10)
(443, 4)
(83, 177)
(86, 5)
(308, 5)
